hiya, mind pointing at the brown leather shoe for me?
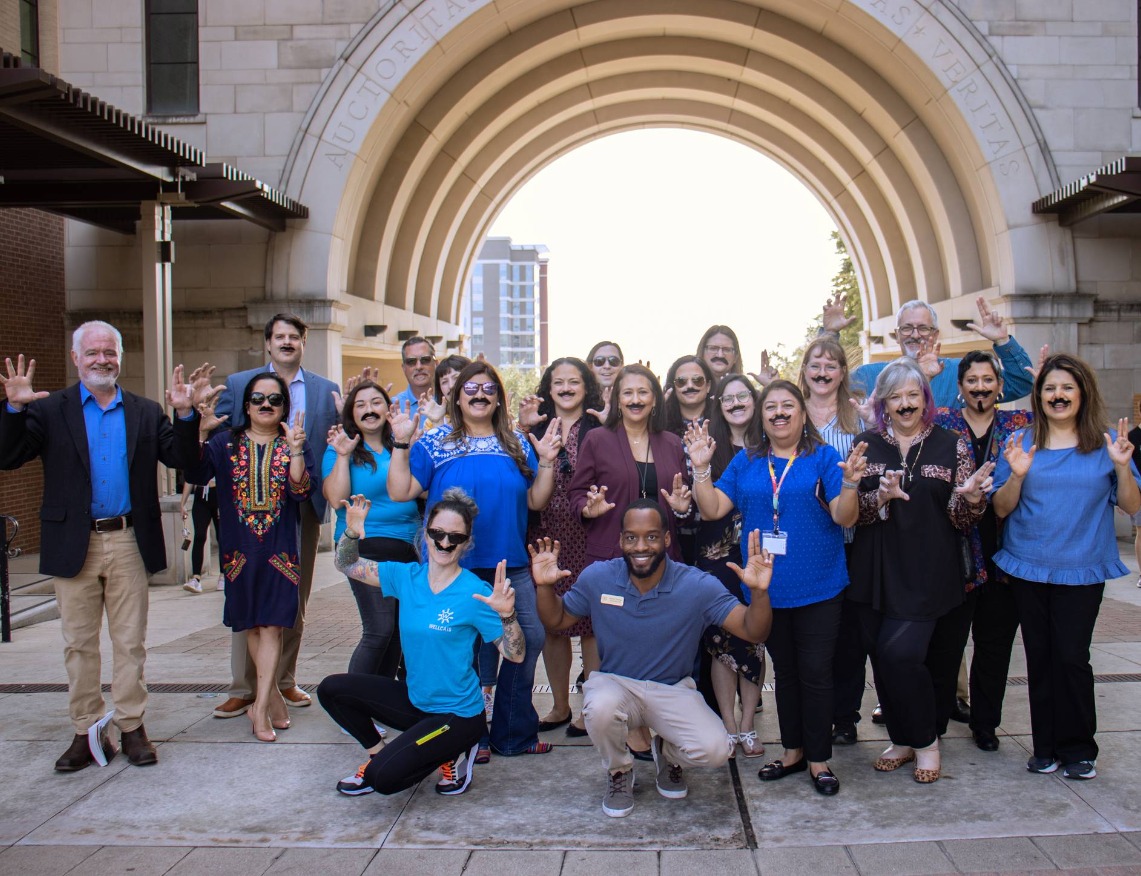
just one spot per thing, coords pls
(76, 757)
(139, 750)
(296, 697)
(233, 707)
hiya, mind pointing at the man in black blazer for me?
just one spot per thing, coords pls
(314, 395)
(100, 518)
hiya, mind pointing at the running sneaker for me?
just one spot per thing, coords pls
(193, 585)
(455, 775)
(355, 785)
(1083, 769)
(221, 583)
(1042, 764)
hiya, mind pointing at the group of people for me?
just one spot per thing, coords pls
(681, 532)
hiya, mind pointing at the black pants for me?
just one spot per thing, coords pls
(1057, 628)
(802, 644)
(203, 512)
(945, 656)
(378, 651)
(899, 656)
(993, 631)
(426, 742)
(849, 666)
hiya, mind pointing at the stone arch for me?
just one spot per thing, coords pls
(895, 113)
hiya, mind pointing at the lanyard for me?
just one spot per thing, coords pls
(776, 487)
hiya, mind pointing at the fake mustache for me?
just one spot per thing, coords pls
(907, 412)
(822, 378)
(981, 393)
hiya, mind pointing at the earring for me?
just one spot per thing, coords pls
(959, 400)
(1001, 396)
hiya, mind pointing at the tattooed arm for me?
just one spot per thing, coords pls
(348, 559)
(511, 644)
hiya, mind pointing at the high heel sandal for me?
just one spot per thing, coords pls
(261, 735)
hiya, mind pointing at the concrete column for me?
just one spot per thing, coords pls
(154, 232)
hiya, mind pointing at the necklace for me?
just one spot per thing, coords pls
(643, 467)
(909, 470)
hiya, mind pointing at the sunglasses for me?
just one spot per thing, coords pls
(276, 399)
(455, 539)
(612, 361)
(472, 387)
(697, 380)
(736, 398)
(423, 360)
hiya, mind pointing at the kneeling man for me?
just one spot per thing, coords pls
(648, 614)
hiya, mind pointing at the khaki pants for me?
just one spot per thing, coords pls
(692, 734)
(113, 579)
(243, 673)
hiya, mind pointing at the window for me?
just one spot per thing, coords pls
(30, 32)
(477, 288)
(172, 57)
(477, 325)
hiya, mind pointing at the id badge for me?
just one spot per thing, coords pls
(776, 543)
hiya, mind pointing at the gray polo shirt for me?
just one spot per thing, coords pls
(651, 637)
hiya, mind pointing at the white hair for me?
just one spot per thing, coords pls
(77, 336)
(916, 305)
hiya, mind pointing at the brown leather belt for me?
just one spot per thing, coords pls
(111, 524)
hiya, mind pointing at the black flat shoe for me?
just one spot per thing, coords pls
(877, 715)
(770, 772)
(844, 734)
(544, 726)
(961, 712)
(576, 732)
(641, 755)
(986, 741)
(825, 783)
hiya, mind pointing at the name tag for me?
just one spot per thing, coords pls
(776, 543)
(608, 599)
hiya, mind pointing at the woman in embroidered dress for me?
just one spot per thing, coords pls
(920, 489)
(263, 468)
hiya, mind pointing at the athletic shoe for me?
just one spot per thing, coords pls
(193, 585)
(619, 799)
(1042, 764)
(355, 785)
(455, 775)
(221, 583)
(670, 781)
(1083, 769)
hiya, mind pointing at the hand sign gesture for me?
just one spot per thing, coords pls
(853, 467)
(404, 427)
(295, 435)
(1018, 459)
(866, 409)
(18, 384)
(975, 488)
(431, 409)
(356, 512)
(700, 446)
(1120, 450)
(891, 487)
(990, 324)
(596, 504)
(601, 415)
(208, 421)
(680, 498)
(545, 571)
(1043, 355)
(529, 416)
(548, 449)
(502, 598)
(834, 319)
(758, 571)
(341, 443)
(767, 373)
(929, 359)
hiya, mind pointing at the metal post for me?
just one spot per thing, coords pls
(5, 591)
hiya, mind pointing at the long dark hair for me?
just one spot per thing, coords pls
(361, 455)
(757, 441)
(674, 421)
(591, 401)
(719, 429)
(454, 362)
(241, 421)
(1092, 416)
(720, 330)
(500, 418)
(657, 421)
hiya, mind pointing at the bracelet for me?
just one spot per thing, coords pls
(514, 616)
(702, 476)
(546, 465)
(400, 445)
(350, 533)
(849, 485)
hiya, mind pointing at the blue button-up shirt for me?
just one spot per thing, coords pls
(107, 452)
(296, 394)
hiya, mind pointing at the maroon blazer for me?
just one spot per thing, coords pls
(606, 460)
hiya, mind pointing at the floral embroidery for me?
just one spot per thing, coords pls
(260, 474)
(936, 472)
(288, 566)
(301, 488)
(232, 565)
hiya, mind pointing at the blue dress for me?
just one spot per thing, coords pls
(259, 532)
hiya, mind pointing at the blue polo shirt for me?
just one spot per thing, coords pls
(650, 637)
(405, 397)
(107, 453)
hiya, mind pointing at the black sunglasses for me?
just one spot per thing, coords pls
(697, 380)
(612, 361)
(423, 360)
(455, 539)
(276, 399)
(489, 388)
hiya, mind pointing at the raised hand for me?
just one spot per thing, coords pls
(529, 416)
(596, 504)
(18, 383)
(758, 571)
(180, 395)
(200, 388)
(866, 409)
(502, 598)
(1121, 449)
(295, 435)
(548, 449)
(1043, 355)
(854, 466)
(340, 441)
(767, 373)
(680, 498)
(891, 487)
(545, 571)
(700, 445)
(975, 488)
(929, 359)
(834, 319)
(356, 512)
(1018, 459)
(208, 421)
(601, 415)
(403, 427)
(990, 324)
(432, 410)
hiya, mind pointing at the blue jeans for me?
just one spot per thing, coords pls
(514, 722)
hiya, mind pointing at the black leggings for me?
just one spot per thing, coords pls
(427, 740)
(203, 512)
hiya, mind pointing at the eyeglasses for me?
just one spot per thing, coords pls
(737, 398)
(717, 348)
(697, 380)
(275, 399)
(422, 360)
(454, 538)
(924, 331)
(472, 387)
(612, 361)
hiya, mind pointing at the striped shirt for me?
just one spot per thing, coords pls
(842, 441)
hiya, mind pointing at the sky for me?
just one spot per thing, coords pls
(655, 235)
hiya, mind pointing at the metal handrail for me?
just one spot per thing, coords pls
(7, 552)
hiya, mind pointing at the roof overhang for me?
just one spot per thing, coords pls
(1114, 188)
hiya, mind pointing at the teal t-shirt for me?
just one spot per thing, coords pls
(386, 518)
(437, 633)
